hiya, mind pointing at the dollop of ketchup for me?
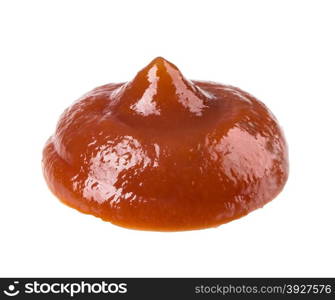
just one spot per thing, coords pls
(165, 153)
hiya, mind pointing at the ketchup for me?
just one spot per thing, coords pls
(165, 153)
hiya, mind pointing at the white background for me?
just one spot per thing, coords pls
(282, 52)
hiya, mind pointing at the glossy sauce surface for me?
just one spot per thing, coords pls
(164, 153)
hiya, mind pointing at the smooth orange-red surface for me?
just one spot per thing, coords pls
(164, 153)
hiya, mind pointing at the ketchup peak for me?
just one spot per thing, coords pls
(164, 153)
(160, 92)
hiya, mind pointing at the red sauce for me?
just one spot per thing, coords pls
(165, 153)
